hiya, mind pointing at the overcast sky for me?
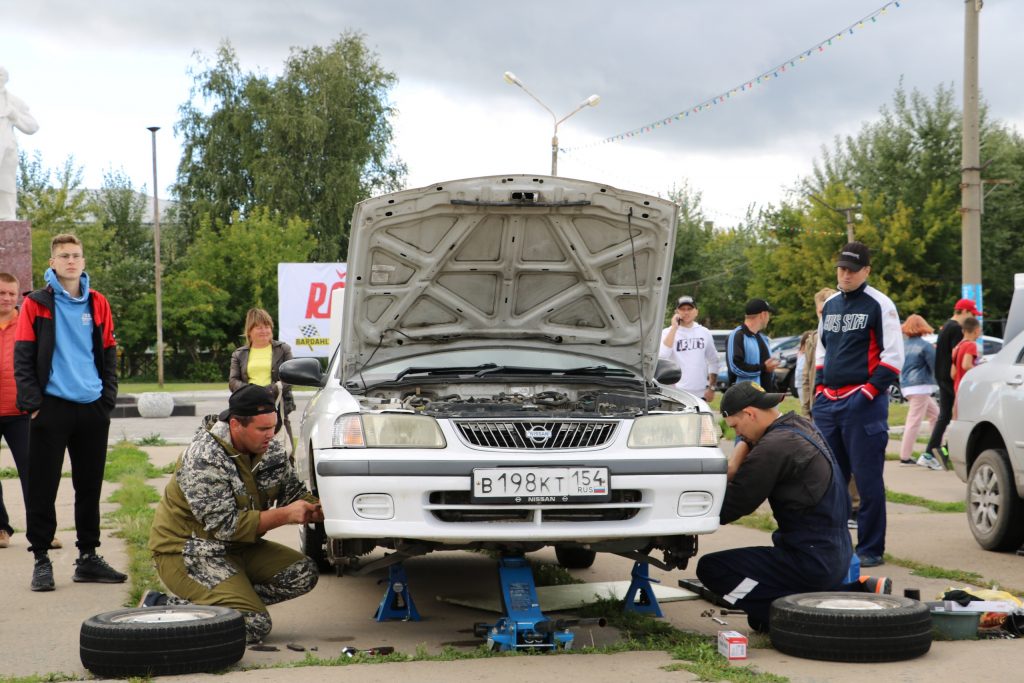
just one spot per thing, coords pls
(96, 74)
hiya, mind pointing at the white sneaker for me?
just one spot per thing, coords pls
(930, 462)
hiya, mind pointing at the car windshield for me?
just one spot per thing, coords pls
(493, 363)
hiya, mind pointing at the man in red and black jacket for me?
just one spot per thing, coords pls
(65, 366)
(859, 354)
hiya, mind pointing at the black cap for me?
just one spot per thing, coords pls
(755, 306)
(686, 301)
(854, 256)
(252, 399)
(746, 394)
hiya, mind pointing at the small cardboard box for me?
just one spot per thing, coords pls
(732, 644)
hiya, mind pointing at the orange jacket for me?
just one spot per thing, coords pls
(8, 389)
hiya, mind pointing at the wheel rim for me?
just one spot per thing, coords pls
(163, 616)
(984, 499)
(846, 603)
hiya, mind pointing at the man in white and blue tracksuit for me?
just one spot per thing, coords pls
(859, 354)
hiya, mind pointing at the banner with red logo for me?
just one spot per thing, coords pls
(304, 306)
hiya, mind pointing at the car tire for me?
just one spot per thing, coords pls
(850, 627)
(312, 541)
(995, 512)
(161, 641)
(572, 557)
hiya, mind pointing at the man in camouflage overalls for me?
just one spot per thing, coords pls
(207, 535)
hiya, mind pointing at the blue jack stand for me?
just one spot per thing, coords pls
(524, 626)
(645, 602)
(397, 603)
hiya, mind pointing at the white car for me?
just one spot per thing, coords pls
(986, 440)
(497, 383)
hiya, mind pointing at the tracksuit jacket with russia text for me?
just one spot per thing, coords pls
(860, 344)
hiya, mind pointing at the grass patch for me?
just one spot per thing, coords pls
(930, 571)
(545, 574)
(40, 678)
(151, 440)
(130, 467)
(125, 459)
(933, 505)
(8, 473)
(762, 520)
(144, 387)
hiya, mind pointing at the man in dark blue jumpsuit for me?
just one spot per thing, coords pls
(784, 460)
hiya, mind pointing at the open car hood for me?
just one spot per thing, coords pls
(508, 261)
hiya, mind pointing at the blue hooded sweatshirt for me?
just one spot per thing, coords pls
(73, 375)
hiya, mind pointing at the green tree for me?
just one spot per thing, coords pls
(308, 144)
(904, 169)
(53, 201)
(240, 258)
(127, 267)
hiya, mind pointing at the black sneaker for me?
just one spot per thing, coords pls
(153, 598)
(42, 575)
(94, 569)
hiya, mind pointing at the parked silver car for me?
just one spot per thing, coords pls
(986, 441)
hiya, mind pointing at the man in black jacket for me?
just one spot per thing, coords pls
(782, 459)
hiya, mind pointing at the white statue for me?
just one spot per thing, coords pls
(13, 114)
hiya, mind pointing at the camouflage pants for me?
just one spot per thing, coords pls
(246, 579)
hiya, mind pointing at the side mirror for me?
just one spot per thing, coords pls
(666, 371)
(304, 372)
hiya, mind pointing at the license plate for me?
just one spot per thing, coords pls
(541, 485)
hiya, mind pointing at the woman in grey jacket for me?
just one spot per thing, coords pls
(917, 383)
(259, 362)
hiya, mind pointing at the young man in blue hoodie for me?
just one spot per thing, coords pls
(65, 368)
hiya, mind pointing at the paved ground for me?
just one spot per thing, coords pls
(41, 630)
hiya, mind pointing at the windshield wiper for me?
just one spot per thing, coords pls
(593, 371)
(445, 371)
(600, 371)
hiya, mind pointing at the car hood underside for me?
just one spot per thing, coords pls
(508, 261)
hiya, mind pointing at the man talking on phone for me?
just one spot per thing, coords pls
(232, 485)
(692, 347)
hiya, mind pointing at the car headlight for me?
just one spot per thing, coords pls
(678, 429)
(387, 430)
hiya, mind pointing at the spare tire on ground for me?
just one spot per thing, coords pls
(851, 627)
(158, 641)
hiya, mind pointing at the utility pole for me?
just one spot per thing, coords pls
(849, 212)
(157, 271)
(970, 165)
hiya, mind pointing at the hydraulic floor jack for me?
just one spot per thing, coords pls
(524, 626)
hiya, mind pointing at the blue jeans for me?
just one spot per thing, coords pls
(857, 430)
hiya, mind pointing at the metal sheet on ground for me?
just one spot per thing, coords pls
(570, 596)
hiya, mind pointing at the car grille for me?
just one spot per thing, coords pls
(533, 435)
(457, 507)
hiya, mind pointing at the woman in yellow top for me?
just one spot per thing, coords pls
(258, 362)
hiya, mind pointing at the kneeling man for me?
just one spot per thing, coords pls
(782, 459)
(207, 535)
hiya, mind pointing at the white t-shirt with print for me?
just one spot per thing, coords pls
(694, 350)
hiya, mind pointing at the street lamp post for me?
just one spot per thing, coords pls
(157, 269)
(589, 102)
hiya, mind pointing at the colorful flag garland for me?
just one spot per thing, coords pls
(765, 76)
